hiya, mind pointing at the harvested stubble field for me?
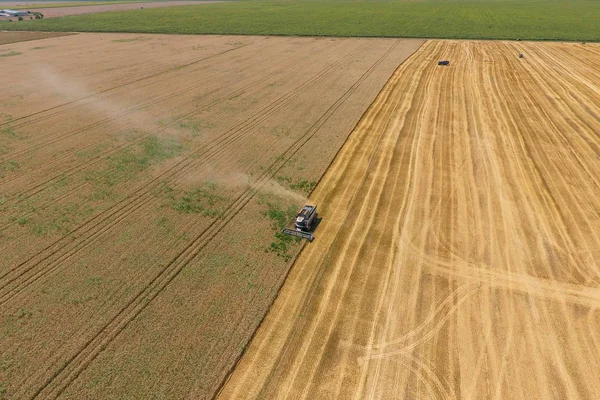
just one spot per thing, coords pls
(458, 256)
(142, 179)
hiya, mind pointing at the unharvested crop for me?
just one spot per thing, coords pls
(139, 191)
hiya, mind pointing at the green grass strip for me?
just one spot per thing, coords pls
(73, 4)
(575, 20)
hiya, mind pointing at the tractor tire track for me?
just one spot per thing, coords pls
(143, 193)
(89, 164)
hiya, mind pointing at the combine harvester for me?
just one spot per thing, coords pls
(303, 223)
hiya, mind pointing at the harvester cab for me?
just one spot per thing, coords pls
(304, 223)
(306, 217)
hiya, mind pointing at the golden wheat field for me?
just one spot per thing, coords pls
(459, 252)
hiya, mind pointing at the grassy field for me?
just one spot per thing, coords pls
(469, 19)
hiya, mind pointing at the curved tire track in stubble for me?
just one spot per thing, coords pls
(388, 179)
(30, 270)
(60, 380)
(37, 188)
(508, 282)
(476, 271)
